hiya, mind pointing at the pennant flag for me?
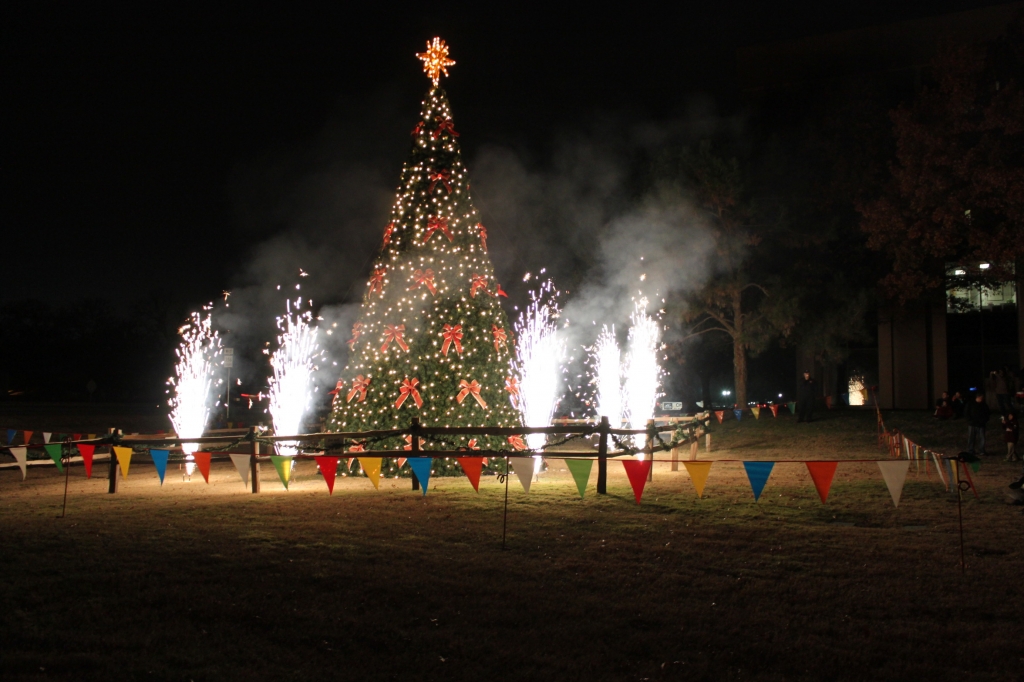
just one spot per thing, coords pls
(523, 466)
(27, 437)
(46, 437)
(92, 436)
(472, 467)
(792, 406)
(580, 470)
(637, 472)
(757, 474)
(284, 468)
(421, 468)
(160, 462)
(203, 464)
(775, 410)
(54, 451)
(241, 463)
(938, 470)
(11, 433)
(757, 411)
(124, 459)
(895, 475)
(371, 467)
(720, 414)
(739, 414)
(698, 474)
(329, 469)
(21, 455)
(76, 436)
(87, 451)
(822, 474)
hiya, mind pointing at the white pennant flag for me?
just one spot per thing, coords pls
(46, 437)
(523, 466)
(895, 475)
(21, 454)
(242, 464)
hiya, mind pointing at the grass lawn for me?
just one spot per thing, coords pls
(191, 581)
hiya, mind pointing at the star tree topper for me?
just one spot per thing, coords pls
(435, 60)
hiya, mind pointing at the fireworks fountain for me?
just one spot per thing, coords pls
(642, 371)
(293, 363)
(538, 363)
(191, 384)
(607, 377)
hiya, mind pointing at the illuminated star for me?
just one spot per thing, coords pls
(435, 60)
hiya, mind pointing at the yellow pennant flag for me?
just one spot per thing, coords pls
(124, 459)
(757, 412)
(371, 465)
(699, 474)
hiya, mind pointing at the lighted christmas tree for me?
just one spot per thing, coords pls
(432, 340)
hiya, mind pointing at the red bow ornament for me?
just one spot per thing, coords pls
(408, 446)
(357, 331)
(451, 335)
(444, 124)
(500, 337)
(500, 292)
(441, 176)
(388, 231)
(483, 235)
(358, 447)
(478, 282)
(409, 389)
(377, 281)
(394, 334)
(337, 389)
(517, 442)
(470, 388)
(512, 386)
(359, 386)
(418, 129)
(424, 278)
(472, 444)
(437, 224)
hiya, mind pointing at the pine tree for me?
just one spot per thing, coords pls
(432, 340)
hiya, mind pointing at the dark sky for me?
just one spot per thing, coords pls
(135, 139)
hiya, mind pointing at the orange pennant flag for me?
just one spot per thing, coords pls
(822, 473)
(472, 467)
(28, 437)
(203, 464)
(720, 414)
(329, 469)
(86, 452)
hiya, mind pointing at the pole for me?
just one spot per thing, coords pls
(254, 461)
(67, 472)
(602, 459)
(504, 520)
(227, 399)
(414, 439)
(960, 488)
(649, 447)
(112, 471)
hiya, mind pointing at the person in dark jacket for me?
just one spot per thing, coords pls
(805, 399)
(977, 419)
(958, 406)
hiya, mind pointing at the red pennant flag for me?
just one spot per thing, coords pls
(28, 437)
(822, 474)
(472, 466)
(775, 410)
(203, 463)
(86, 451)
(637, 472)
(329, 468)
(719, 414)
(76, 436)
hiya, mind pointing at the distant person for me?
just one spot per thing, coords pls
(977, 419)
(944, 407)
(1002, 392)
(957, 403)
(990, 392)
(805, 399)
(1011, 432)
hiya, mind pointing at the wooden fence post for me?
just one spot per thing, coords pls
(602, 459)
(415, 441)
(652, 433)
(254, 461)
(112, 472)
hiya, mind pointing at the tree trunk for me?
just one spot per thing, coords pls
(739, 350)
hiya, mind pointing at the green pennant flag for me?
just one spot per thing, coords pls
(284, 468)
(580, 470)
(54, 451)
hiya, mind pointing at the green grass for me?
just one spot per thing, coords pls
(209, 582)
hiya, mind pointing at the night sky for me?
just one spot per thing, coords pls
(158, 151)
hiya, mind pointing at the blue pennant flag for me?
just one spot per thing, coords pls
(758, 473)
(421, 468)
(160, 462)
(11, 433)
(739, 414)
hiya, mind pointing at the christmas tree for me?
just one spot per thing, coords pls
(432, 341)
